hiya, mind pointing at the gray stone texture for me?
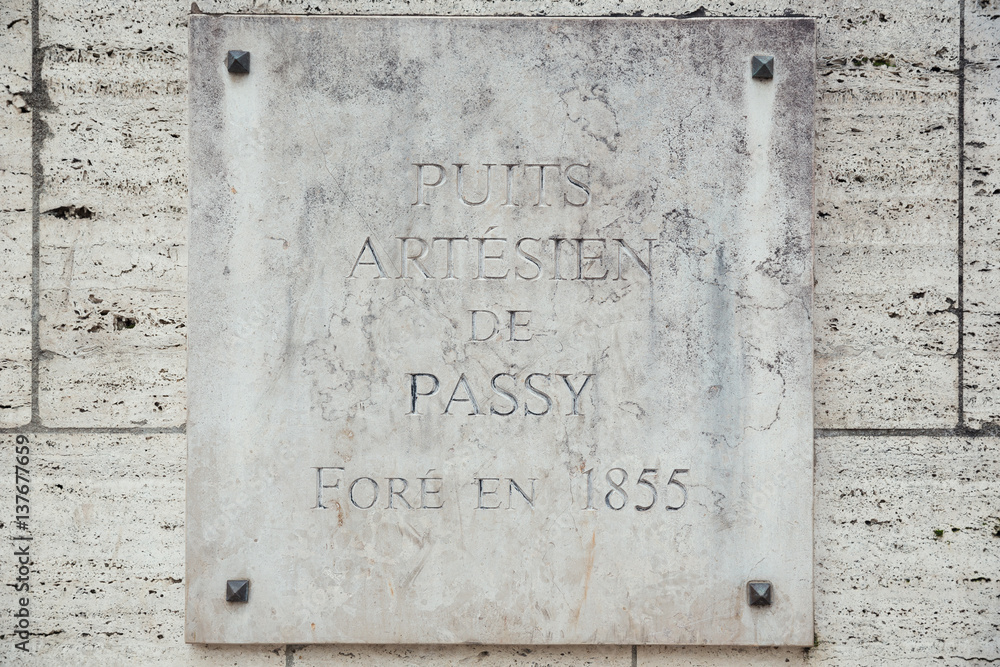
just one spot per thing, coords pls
(113, 215)
(888, 590)
(702, 368)
(107, 522)
(982, 215)
(15, 213)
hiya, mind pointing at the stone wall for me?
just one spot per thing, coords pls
(93, 266)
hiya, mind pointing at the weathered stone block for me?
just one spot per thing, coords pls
(886, 257)
(333, 321)
(923, 33)
(113, 356)
(15, 213)
(906, 534)
(982, 212)
(113, 238)
(445, 656)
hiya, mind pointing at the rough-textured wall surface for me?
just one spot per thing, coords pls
(981, 334)
(907, 528)
(112, 214)
(15, 213)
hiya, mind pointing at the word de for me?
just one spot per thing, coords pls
(515, 322)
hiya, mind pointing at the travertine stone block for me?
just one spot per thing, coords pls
(886, 260)
(15, 213)
(113, 255)
(982, 215)
(15, 42)
(156, 29)
(906, 534)
(107, 522)
(701, 656)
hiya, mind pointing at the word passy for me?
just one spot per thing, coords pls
(508, 394)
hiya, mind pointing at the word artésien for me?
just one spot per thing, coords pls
(493, 258)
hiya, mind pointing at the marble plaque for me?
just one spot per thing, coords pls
(500, 330)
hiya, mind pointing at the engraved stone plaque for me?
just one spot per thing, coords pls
(500, 331)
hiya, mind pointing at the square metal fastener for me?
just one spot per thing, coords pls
(762, 67)
(238, 62)
(759, 593)
(238, 590)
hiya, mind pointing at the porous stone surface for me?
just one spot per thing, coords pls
(114, 201)
(906, 536)
(982, 215)
(487, 656)
(887, 224)
(649, 394)
(886, 259)
(15, 213)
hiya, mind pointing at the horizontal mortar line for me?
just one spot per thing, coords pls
(819, 432)
(515, 15)
(899, 432)
(136, 430)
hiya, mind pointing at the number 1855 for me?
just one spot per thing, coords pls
(644, 489)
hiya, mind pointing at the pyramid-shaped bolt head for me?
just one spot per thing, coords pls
(238, 590)
(238, 62)
(762, 67)
(759, 593)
